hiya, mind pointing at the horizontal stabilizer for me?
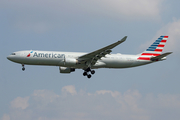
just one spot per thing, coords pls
(160, 56)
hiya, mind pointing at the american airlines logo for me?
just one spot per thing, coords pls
(48, 55)
(29, 54)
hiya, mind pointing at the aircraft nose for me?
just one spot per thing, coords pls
(8, 57)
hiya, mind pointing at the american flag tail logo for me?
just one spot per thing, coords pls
(155, 49)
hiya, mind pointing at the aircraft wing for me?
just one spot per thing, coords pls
(160, 56)
(98, 54)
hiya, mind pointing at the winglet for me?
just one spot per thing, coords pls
(123, 39)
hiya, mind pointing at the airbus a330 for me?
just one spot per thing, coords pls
(69, 61)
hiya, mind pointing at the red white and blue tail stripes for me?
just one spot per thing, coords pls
(155, 49)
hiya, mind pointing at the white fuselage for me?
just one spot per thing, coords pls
(68, 59)
(101, 58)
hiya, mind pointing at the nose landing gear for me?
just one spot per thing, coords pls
(23, 68)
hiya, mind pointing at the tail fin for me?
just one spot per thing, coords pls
(155, 49)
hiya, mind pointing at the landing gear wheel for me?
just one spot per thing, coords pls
(85, 73)
(23, 69)
(88, 72)
(88, 69)
(89, 76)
(92, 72)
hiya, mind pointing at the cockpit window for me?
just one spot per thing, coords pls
(13, 54)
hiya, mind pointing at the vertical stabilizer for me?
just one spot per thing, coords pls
(155, 49)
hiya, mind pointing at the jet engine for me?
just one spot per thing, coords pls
(66, 70)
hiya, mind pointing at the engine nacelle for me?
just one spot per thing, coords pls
(66, 70)
(70, 61)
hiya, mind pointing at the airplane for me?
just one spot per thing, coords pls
(101, 58)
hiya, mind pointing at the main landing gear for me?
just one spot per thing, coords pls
(86, 72)
(23, 68)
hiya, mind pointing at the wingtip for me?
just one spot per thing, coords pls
(124, 38)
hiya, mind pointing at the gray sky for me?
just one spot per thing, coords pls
(148, 92)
